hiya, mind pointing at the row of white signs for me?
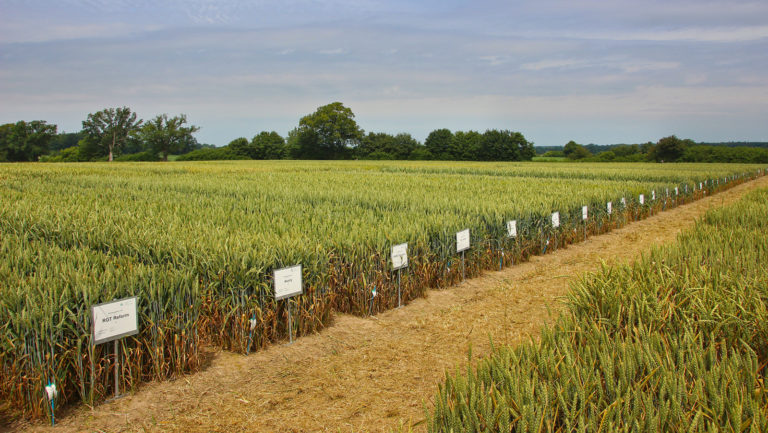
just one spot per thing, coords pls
(118, 319)
(400, 251)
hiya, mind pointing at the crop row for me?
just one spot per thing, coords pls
(197, 243)
(674, 342)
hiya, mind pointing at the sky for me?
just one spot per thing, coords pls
(603, 72)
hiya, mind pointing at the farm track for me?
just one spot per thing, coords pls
(371, 374)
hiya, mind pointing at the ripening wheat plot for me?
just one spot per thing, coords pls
(197, 243)
(675, 342)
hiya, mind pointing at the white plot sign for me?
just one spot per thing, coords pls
(623, 202)
(555, 219)
(677, 191)
(400, 256)
(642, 199)
(610, 208)
(584, 213)
(113, 320)
(288, 282)
(653, 195)
(512, 228)
(462, 240)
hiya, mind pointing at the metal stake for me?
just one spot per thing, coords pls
(290, 324)
(399, 301)
(462, 266)
(117, 370)
(93, 374)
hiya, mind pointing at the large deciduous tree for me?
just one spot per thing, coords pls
(240, 146)
(268, 145)
(669, 149)
(166, 135)
(498, 145)
(25, 141)
(467, 145)
(380, 145)
(440, 144)
(574, 150)
(264, 145)
(110, 128)
(329, 133)
(504, 145)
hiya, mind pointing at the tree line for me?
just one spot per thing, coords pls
(667, 149)
(331, 132)
(106, 134)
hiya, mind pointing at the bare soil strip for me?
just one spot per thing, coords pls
(372, 374)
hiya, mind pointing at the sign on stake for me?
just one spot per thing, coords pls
(511, 233)
(399, 261)
(112, 321)
(555, 224)
(462, 244)
(288, 283)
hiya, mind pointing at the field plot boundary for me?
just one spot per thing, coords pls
(368, 371)
(674, 341)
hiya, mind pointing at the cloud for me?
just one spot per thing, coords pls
(542, 67)
(494, 60)
(333, 51)
(688, 34)
(552, 64)
(23, 33)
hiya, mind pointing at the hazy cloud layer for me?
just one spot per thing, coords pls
(599, 72)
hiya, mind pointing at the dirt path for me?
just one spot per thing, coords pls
(371, 374)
